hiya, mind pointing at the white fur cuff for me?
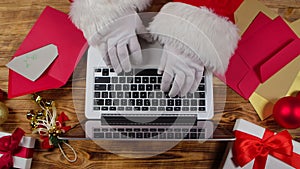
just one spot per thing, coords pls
(93, 16)
(197, 32)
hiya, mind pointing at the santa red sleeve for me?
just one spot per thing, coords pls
(94, 16)
(197, 31)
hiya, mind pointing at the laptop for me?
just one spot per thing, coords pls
(131, 106)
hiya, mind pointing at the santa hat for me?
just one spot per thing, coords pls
(224, 8)
(197, 31)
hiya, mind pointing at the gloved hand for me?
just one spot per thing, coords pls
(183, 71)
(119, 41)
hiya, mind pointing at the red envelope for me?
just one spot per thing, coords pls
(52, 27)
(265, 48)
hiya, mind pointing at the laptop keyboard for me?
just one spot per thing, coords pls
(139, 91)
(149, 133)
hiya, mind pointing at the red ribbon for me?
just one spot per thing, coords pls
(248, 147)
(9, 145)
(46, 143)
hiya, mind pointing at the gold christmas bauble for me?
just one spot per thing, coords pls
(3, 113)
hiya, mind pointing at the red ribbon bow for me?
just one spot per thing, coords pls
(46, 143)
(8, 146)
(248, 147)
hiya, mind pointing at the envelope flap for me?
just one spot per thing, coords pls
(266, 42)
(52, 27)
(236, 72)
(279, 60)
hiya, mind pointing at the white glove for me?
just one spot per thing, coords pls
(119, 41)
(184, 71)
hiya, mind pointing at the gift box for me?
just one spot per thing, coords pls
(257, 147)
(21, 154)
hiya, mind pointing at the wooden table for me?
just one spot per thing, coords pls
(16, 19)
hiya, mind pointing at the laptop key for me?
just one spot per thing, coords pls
(139, 102)
(193, 136)
(149, 87)
(135, 95)
(120, 94)
(96, 108)
(145, 108)
(143, 95)
(170, 135)
(178, 136)
(131, 135)
(98, 70)
(102, 80)
(134, 87)
(169, 108)
(139, 135)
(104, 108)
(145, 79)
(122, 80)
(141, 87)
(162, 136)
(147, 102)
(113, 108)
(128, 108)
(137, 80)
(178, 102)
(177, 108)
(201, 108)
(170, 102)
(99, 135)
(193, 109)
(201, 88)
(118, 87)
(114, 79)
(161, 108)
(112, 95)
(116, 135)
(104, 94)
(154, 102)
(153, 80)
(99, 102)
(153, 108)
(127, 95)
(108, 135)
(123, 102)
(121, 108)
(147, 135)
(105, 72)
(108, 102)
(100, 87)
(110, 87)
(156, 87)
(131, 102)
(123, 135)
(97, 94)
(201, 102)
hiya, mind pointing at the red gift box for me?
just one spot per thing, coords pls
(16, 150)
(256, 147)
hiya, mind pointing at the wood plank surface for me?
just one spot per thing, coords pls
(16, 19)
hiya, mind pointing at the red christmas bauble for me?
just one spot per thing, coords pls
(286, 112)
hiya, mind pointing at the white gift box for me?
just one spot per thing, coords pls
(26, 142)
(255, 130)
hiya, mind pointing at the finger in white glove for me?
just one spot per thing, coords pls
(181, 74)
